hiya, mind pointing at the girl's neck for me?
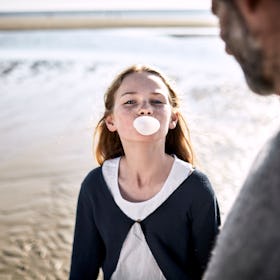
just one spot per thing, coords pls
(144, 159)
(143, 172)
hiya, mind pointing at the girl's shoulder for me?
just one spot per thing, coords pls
(91, 180)
(199, 176)
(200, 183)
(92, 175)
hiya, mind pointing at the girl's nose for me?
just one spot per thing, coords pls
(145, 110)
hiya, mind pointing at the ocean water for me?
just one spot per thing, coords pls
(52, 82)
(51, 96)
(38, 67)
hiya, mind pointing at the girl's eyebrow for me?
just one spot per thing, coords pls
(128, 92)
(135, 92)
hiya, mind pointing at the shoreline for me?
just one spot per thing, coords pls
(105, 19)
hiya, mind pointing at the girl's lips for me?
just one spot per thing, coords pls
(146, 125)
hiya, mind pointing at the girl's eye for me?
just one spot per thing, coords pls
(156, 101)
(130, 102)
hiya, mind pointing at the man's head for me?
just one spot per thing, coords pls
(251, 30)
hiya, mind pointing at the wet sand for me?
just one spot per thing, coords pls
(46, 152)
(38, 198)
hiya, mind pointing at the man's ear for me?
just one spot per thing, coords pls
(173, 120)
(255, 13)
(110, 123)
(248, 7)
(251, 4)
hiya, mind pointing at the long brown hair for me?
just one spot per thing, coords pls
(108, 144)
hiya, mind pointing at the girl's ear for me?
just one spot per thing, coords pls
(173, 120)
(110, 123)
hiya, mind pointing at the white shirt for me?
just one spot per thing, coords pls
(136, 260)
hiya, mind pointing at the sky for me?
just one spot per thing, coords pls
(58, 5)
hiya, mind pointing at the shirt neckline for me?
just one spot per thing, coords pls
(180, 170)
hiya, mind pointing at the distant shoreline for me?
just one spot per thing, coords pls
(105, 19)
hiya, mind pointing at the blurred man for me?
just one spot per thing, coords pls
(248, 246)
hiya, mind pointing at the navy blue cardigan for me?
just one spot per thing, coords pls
(180, 232)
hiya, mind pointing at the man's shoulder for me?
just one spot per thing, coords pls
(265, 170)
(275, 141)
(269, 156)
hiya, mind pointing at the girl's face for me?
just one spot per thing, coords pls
(141, 93)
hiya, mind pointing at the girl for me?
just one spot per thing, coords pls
(145, 213)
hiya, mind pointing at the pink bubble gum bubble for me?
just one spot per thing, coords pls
(146, 125)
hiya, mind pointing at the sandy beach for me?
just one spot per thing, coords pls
(51, 99)
(38, 197)
(32, 14)
(105, 19)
